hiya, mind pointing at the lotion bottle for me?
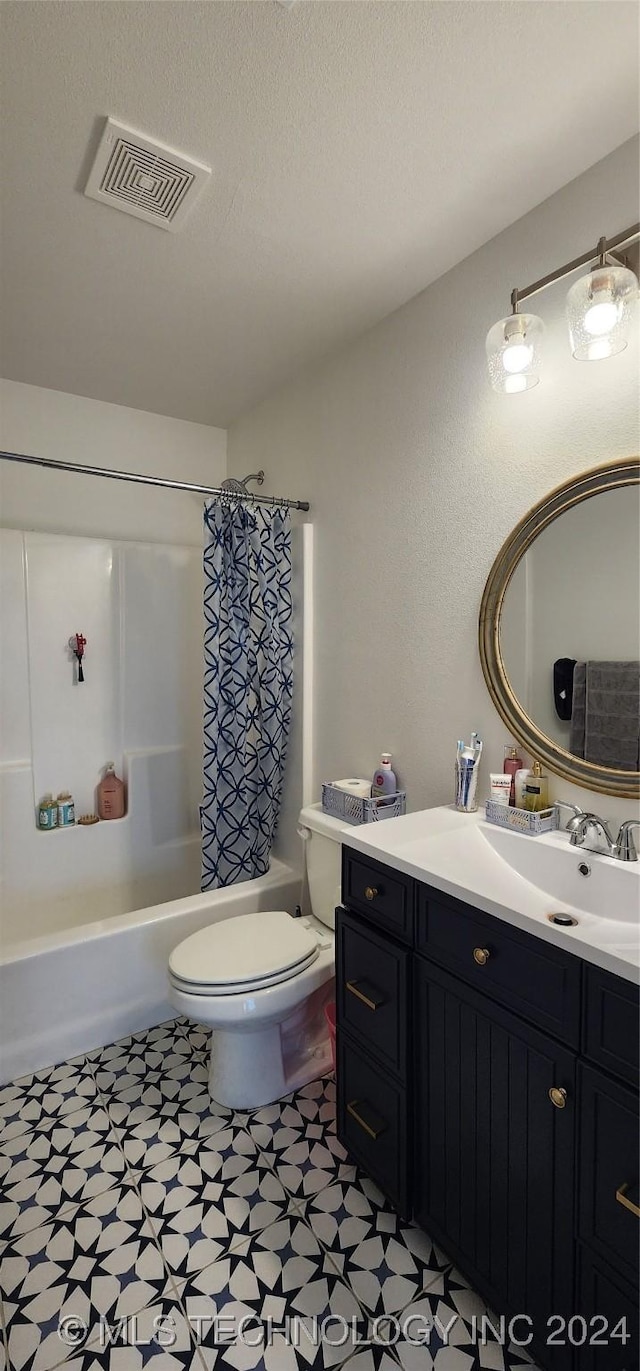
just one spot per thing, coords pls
(384, 781)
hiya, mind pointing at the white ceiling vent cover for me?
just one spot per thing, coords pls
(145, 178)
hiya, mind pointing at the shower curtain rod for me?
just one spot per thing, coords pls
(151, 480)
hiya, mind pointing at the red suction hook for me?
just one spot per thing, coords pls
(77, 644)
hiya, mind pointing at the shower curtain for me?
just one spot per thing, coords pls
(248, 681)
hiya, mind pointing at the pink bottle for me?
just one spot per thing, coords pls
(111, 795)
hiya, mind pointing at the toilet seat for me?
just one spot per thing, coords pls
(245, 953)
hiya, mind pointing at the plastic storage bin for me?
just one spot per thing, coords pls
(355, 810)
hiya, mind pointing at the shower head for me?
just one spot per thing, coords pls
(240, 487)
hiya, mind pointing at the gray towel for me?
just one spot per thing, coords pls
(605, 721)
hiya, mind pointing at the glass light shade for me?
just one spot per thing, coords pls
(514, 353)
(599, 312)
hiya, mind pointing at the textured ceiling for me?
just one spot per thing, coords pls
(359, 150)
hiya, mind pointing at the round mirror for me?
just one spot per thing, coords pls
(560, 630)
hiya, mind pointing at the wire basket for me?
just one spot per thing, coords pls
(521, 820)
(354, 809)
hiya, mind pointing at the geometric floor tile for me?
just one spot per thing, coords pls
(386, 1260)
(141, 1058)
(203, 1206)
(52, 1093)
(118, 1169)
(158, 1337)
(165, 1112)
(450, 1344)
(197, 1034)
(97, 1260)
(279, 1282)
(62, 1160)
(372, 1359)
(298, 1136)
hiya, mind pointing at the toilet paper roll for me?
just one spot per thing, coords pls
(354, 786)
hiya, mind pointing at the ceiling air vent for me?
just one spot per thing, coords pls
(145, 178)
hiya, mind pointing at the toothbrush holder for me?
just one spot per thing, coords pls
(466, 781)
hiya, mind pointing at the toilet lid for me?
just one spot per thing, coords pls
(247, 950)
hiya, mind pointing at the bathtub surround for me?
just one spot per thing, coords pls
(140, 706)
(248, 685)
(400, 431)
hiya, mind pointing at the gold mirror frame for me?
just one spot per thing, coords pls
(604, 779)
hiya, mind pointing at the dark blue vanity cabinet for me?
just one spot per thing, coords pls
(488, 1082)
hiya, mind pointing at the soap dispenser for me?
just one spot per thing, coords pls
(536, 790)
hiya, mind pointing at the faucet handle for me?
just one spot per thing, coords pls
(576, 815)
(625, 846)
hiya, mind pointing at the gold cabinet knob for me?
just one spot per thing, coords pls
(558, 1096)
(481, 955)
(370, 892)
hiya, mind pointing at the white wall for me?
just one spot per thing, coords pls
(50, 423)
(416, 472)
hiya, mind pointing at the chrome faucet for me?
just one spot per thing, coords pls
(626, 846)
(622, 850)
(576, 815)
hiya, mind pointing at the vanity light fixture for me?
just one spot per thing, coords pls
(598, 314)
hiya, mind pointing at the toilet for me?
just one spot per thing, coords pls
(261, 982)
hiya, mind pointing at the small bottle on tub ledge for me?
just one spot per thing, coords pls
(48, 813)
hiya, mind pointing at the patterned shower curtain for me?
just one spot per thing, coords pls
(248, 681)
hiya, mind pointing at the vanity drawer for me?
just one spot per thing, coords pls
(372, 1121)
(372, 977)
(612, 1023)
(384, 896)
(609, 1207)
(540, 982)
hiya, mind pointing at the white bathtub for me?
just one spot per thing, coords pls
(68, 992)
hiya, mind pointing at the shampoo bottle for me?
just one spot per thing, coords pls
(111, 794)
(384, 781)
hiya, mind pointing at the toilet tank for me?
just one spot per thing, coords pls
(322, 836)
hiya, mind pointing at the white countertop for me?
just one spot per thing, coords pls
(518, 878)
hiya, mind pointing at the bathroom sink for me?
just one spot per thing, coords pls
(520, 878)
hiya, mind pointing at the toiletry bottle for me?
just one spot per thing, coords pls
(384, 781)
(520, 780)
(47, 813)
(111, 794)
(536, 790)
(66, 810)
(512, 763)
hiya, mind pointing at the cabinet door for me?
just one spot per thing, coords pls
(609, 1310)
(494, 1164)
(609, 1172)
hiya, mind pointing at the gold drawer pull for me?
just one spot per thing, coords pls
(352, 987)
(481, 955)
(623, 1198)
(558, 1096)
(373, 1132)
(370, 892)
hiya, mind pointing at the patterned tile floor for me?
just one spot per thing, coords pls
(143, 1226)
